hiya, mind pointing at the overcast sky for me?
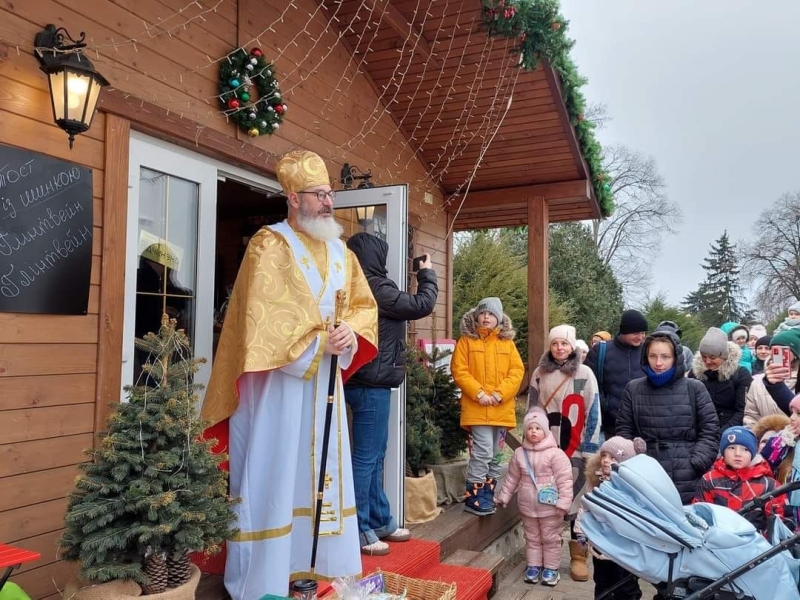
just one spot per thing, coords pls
(711, 89)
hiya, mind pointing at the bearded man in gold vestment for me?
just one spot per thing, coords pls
(269, 388)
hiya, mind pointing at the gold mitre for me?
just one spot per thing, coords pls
(299, 170)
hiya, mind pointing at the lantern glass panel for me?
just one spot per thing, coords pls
(91, 101)
(57, 93)
(78, 85)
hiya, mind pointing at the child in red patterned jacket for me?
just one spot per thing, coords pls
(740, 475)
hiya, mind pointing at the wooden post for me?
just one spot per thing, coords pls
(112, 268)
(538, 278)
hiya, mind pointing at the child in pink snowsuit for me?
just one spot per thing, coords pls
(542, 475)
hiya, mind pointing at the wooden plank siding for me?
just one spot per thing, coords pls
(57, 373)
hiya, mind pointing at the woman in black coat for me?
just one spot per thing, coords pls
(716, 365)
(672, 413)
(368, 391)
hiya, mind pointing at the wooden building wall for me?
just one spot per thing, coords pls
(55, 374)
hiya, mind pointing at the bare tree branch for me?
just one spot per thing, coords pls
(771, 264)
(597, 114)
(630, 239)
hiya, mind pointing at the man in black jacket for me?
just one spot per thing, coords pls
(368, 391)
(620, 364)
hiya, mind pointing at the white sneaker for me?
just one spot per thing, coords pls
(399, 535)
(378, 548)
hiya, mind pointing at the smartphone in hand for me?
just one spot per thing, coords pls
(416, 264)
(782, 356)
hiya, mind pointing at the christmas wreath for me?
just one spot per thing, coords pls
(237, 75)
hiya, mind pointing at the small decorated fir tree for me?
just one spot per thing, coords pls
(446, 404)
(423, 436)
(154, 492)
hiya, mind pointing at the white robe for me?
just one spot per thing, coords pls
(275, 452)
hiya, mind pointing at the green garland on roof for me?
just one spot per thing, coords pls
(541, 31)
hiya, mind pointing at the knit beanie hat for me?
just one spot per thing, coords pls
(581, 345)
(669, 326)
(603, 335)
(563, 332)
(758, 331)
(763, 340)
(738, 435)
(632, 321)
(794, 307)
(536, 415)
(739, 332)
(714, 343)
(790, 338)
(491, 305)
(622, 449)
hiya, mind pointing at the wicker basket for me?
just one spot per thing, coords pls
(418, 589)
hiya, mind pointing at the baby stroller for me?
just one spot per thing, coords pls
(694, 552)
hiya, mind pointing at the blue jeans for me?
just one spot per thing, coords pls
(370, 407)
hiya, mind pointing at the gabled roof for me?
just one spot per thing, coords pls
(460, 95)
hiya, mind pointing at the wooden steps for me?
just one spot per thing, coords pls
(478, 560)
(456, 529)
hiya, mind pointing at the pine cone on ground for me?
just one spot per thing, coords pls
(180, 569)
(155, 567)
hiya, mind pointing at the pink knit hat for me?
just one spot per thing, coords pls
(622, 449)
(537, 415)
(795, 403)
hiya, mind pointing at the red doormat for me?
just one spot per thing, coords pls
(420, 559)
(405, 558)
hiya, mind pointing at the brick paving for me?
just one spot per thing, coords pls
(511, 587)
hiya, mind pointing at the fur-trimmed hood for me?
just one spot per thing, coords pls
(726, 370)
(547, 364)
(469, 326)
(770, 423)
(593, 472)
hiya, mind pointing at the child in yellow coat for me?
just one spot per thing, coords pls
(488, 369)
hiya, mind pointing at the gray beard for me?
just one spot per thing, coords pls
(324, 229)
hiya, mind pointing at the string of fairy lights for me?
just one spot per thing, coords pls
(395, 154)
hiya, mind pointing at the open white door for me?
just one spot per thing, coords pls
(383, 211)
(171, 227)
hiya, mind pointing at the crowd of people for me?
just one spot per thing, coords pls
(722, 422)
(314, 325)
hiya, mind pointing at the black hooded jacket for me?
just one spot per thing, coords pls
(388, 369)
(677, 420)
(622, 364)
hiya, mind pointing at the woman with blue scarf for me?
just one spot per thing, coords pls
(672, 413)
(785, 462)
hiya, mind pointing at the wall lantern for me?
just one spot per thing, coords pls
(74, 84)
(350, 174)
(365, 214)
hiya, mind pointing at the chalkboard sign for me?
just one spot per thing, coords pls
(45, 234)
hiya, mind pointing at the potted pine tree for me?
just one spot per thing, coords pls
(153, 492)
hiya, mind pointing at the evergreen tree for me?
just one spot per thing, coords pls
(154, 492)
(719, 298)
(423, 435)
(579, 277)
(692, 329)
(487, 264)
(446, 404)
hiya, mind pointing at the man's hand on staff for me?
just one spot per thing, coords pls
(340, 339)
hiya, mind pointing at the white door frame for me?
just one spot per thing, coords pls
(161, 156)
(395, 198)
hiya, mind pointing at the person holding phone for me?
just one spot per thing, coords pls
(785, 351)
(368, 391)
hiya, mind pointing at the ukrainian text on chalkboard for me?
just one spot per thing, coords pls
(45, 234)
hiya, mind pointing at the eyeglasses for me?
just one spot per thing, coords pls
(320, 194)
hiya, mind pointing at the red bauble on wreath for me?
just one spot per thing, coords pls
(239, 72)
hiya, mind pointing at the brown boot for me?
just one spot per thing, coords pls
(577, 564)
